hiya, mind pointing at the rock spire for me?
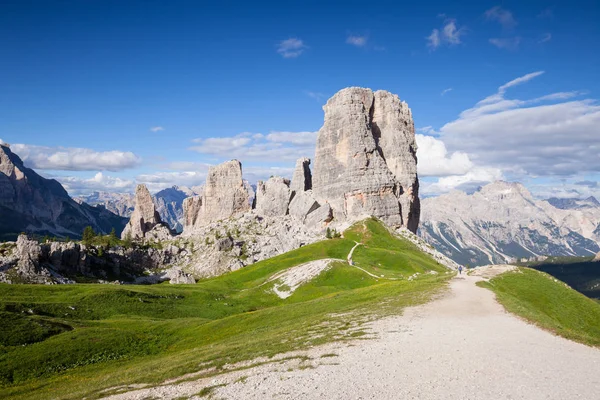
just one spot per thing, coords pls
(365, 160)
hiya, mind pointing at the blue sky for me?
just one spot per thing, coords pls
(105, 94)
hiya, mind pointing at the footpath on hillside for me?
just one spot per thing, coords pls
(461, 346)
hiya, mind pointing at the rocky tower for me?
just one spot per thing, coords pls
(302, 179)
(273, 196)
(144, 216)
(365, 160)
(224, 195)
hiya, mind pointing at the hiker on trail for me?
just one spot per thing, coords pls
(460, 269)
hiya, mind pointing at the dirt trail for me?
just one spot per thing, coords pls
(462, 346)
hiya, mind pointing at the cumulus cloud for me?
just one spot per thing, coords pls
(506, 43)
(157, 129)
(273, 147)
(502, 16)
(291, 48)
(468, 182)
(75, 159)
(434, 159)
(99, 182)
(3, 143)
(358, 41)
(450, 34)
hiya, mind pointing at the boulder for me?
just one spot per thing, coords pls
(224, 196)
(302, 204)
(365, 159)
(178, 277)
(319, 218)
(273, 197)
(28, 252)
(144, 217)
(302, 178)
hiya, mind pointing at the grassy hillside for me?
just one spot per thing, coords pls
(581, 273)
(74, 341)
(548, 303)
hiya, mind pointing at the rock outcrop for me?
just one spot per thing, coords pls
(224, 196)
(33, 204)
(273, 196)
(302, 178)
(365, 162)
(145, 222)
(597, 258)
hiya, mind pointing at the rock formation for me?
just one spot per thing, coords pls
(597, 258)
(272, 197)
(365, 162)
(33, 204)
(302, 178)
(145, 222)
(224, 195)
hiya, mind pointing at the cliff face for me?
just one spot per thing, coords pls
(365, 160)
(224, 195)
(31, 203)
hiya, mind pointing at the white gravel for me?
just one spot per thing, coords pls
(289, 280)
(462, 346)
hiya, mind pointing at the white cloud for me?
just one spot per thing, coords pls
(3, 143)
(468, 182)
(434, 39)
(506, 43)
(545, 38)
(75, 159)
(99, 182)
(291, 48)
(273, 147)
(524, 137)
(450, 34)
(504, 17)
(445, 91)
(157, 129)
(358, 41)
(434, 160)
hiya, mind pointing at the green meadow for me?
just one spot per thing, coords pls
(87, 340)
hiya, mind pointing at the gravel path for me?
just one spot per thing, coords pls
(462, 346)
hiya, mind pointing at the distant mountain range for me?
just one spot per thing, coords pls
(33, 204)
(502, 221)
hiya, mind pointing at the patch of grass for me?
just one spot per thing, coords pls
(207, 391)
(125, 335)
(548, 303)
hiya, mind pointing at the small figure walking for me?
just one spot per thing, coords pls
(460, 269)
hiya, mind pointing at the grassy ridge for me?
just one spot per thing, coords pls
(548, 303)
(116, 335)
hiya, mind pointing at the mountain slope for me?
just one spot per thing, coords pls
(33, 204)
(502, 221)
(223, 320)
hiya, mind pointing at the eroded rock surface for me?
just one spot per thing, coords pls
(302, 178)
(224, 196)
(273, 196)
(144, 218)
(365, 162)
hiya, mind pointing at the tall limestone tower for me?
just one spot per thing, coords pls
(365, 160)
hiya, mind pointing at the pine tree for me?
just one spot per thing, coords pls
(88, 235)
